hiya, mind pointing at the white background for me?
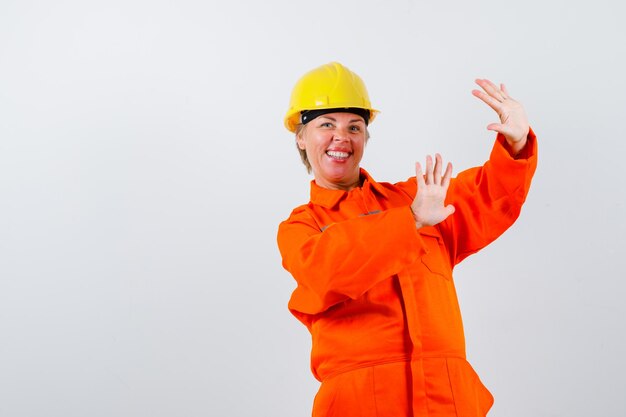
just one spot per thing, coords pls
(144, 169)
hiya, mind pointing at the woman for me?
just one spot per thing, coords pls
(373, 261)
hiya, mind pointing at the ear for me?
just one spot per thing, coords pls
(300, 141)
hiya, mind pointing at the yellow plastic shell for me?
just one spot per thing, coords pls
(327, 87)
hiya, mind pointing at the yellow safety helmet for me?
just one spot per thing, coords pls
(331, 86)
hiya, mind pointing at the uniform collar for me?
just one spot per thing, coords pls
(329, 198)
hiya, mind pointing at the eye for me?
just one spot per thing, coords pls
(355, 128)
(326, 124)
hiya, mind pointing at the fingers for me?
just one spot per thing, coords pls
(492, 95)
(501, 128)
(490, 101)
(447, 175)
(437, 171)
(491, 89)
(496, 127)
(419, 176)
(428, 205)
(504, 90)
(433, 172)
(429, 169)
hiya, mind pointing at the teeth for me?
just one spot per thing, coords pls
(337, 154)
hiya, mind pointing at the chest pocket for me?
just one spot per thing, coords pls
(436, 258)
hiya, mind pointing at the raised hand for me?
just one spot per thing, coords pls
(513, 121)
(428, 206)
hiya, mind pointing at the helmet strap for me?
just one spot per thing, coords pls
(307, 115)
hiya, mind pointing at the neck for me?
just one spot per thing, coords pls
(339, 185)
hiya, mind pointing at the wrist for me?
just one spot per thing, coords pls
(516, 147)
(418, 222)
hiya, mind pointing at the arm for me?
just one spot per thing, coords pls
(347, 258)
(488, 199)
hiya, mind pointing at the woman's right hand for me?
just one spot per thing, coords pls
(428, 206)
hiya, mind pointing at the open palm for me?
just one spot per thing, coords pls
(428, 206)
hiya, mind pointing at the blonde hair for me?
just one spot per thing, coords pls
(305, 160)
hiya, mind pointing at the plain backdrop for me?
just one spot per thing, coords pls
(144, 169)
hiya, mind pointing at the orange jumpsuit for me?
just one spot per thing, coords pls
(377, 294)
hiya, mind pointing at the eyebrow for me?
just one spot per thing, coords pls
(351, 121)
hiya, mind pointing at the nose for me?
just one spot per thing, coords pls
(341, 134)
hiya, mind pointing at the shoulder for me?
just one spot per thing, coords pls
(302, 215)
(298, 212)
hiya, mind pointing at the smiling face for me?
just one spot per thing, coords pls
(334, 144)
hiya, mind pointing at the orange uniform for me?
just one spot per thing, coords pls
(377, 293)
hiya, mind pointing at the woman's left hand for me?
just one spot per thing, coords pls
(513, 121)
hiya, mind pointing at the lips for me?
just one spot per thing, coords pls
(339, 155)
